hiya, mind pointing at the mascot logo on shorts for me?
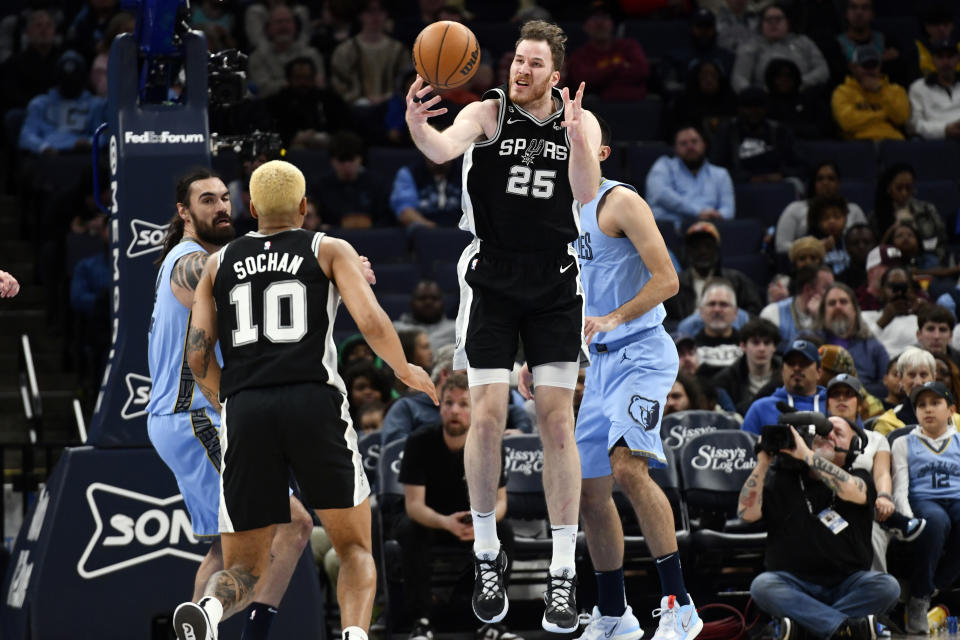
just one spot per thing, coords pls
(645, 412)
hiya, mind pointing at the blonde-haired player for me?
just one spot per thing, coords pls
(272, 295)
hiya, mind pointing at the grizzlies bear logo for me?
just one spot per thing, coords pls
(645, 412)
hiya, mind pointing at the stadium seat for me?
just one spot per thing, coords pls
(671, 237)
(525, 499)
(658, 37)
(385, 161)
(380, 245)
(369, 446)
(859, 192)
(445, 275)
(668, 479)
(756, 267)
(945, 196)
(395, 304)
(931, 159)
(857, 160)
(741, 237)
(396, 278)
(677, 428)
(640, 157)
(633, 121)
(443, 245)
(314, 163)
(898, 433)
(763, 201)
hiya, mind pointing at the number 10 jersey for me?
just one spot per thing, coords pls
(516, 187)
(275, 312)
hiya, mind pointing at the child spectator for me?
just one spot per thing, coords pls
(826, 219)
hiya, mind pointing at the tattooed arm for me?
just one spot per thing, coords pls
(186, 275)
(847, 487)
(202, 337)
(750, 503)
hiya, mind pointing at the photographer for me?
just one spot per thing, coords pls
(818, 518)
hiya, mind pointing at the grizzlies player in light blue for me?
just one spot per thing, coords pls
(182, 425)
(627, 274)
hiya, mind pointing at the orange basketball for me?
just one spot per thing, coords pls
(446, 54)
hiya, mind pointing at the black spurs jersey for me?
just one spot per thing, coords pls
(516, 186)
(275, 312)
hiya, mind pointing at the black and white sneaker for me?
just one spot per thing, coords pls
(422, 630)
(490, 602)
(190, 622)
(561, 600)
(495, 632)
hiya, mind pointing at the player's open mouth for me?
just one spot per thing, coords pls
(521, 83)
(223, 222)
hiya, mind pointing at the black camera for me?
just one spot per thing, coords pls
(809, 424)
(226, 77)
(774, 437)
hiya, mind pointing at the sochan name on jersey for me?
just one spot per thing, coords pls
(164, 137)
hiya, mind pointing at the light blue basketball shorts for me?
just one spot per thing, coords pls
(624, 397)
(189, 443)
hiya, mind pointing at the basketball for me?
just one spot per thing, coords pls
(446, 54)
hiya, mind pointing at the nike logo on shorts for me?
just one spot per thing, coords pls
(564, 269)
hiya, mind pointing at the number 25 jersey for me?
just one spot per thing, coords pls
(516, 186)
(275, 312)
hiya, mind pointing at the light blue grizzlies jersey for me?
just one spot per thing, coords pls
(174, 390)
(611, 271)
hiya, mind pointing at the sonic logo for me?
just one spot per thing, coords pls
(147, 238)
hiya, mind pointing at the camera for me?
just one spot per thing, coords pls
(774, 437)
(809, 424)
(226, 77)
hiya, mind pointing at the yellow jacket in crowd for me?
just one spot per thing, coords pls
(870, 115)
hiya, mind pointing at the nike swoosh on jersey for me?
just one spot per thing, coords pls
(564, 269)
(513, 120)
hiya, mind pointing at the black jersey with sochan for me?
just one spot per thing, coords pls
(275, 312)
(517, 194)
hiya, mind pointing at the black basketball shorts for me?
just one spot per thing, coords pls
(268, 432)
(509, 296)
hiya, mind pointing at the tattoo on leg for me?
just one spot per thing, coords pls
(233, 588)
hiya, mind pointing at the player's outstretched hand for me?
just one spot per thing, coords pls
(9, 286)
(417, 378)
(525, 382)
(573, 113)
(418, 112)
(367, 269)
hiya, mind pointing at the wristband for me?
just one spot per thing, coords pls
(884, 494)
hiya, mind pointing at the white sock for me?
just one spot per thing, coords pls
(485, 540)
(564, 549)
(354, 633)
(214, 609)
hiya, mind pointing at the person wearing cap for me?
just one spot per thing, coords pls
(859, 32)
(879, 260)
(935, 99)
(938, 25)
(895, 325)
(798, 313)
(800, 374)
(840, 322)
(758, 365)
(926, 484)
(702, 241)
(915, 366)
(64, 118)
(835, 360)
(687, 187)
(614, 69)
(867, 106)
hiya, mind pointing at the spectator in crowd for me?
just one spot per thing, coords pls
(935, 98)
(369, 418)
(355, 349)
(351, 196)
(904, 236)
(332, 24)
(859, 32)
(686, 395)
(269, 60)
(217, 22)
(687, 187)
(758, 365)
(926, 484)
(426, 314)
(891, 381)
(718, 344)
(803, 112)
(98, 75)
(792, 224)
(752, 147)
(818, 578)
(895, 325)
(948, 373)
(895, 202)
(365, 383)
(306, 112)
(89, 27)
(776, 41)
(365, 68)
(806, 252)
(614, 69)
(826, 220)
(935, 331)
(436, 504)
(915, 367)
(701, 47)
(867, 106)
(65, 118)
(33, 70)
(416, 346)
(9, 287)
(702, 242)
(937, 20)
(256, 22)
(800, 375)
(736, 24)
(798, 313)
(859, 239)
(835, 361)
(89, 298)
(879, 260)
(427, 194)
(706, 101)
(839, 322)
(687, 352)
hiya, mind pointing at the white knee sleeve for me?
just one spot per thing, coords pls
(556, 374)
(480, 377)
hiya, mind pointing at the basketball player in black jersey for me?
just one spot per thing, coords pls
(272, 295)
(529, 161)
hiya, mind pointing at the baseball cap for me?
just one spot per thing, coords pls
(703, 18)
(680, 338)
(865, 54)
(845, 379)
(807, 349)
(884, 254)
(933, 387)
(835, 358)
(704, 227)
(71, 62)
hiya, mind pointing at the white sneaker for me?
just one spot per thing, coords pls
(190, 622)
(625, 627)
(676, 622)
